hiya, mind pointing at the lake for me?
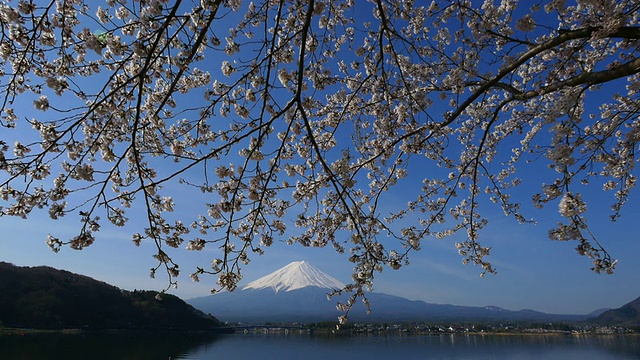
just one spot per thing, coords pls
(304, 346)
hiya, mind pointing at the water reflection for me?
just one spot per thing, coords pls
(101, 346)
(476, 347)
(142, 346)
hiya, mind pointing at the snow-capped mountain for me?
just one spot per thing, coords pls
(296, 275)
(298, 293)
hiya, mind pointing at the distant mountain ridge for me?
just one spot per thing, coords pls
(297, 293)
(43, 297)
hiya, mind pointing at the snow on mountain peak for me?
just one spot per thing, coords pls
(296, 275)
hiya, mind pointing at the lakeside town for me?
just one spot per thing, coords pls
(438, 329)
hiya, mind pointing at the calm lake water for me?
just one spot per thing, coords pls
(304, 346)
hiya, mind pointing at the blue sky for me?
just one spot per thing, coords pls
(533, 272)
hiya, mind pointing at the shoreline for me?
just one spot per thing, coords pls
(19, 331)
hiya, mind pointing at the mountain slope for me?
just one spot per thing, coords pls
(274, 298)
(43, 297)
(308, 304)
(627, 315)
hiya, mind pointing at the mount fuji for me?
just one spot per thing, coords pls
(297, 275)
(294, 293)
(298, 293)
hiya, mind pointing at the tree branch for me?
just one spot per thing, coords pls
(564, 36)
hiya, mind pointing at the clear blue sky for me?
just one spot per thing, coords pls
(533, 272)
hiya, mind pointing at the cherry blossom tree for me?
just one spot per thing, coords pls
(295, 120)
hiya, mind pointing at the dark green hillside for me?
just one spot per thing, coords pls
(43, 297)
(628, 315)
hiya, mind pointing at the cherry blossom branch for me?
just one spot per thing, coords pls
(564, 36)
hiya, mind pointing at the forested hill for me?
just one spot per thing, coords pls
(43, 297)
(628, 315)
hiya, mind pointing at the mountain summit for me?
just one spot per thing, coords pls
(296, 275)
